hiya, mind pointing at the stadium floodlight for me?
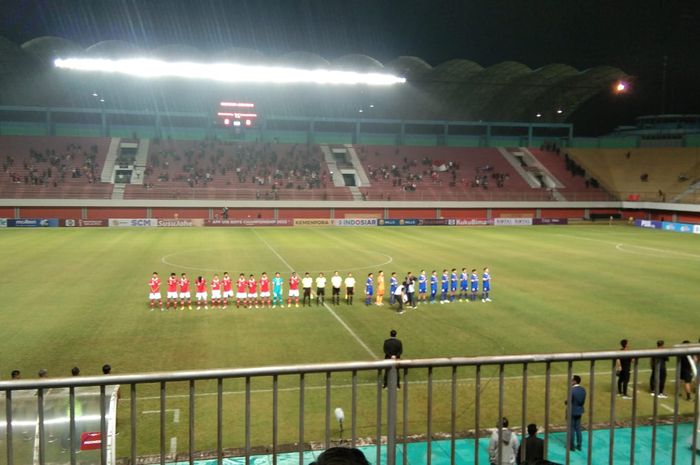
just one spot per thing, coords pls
(621, 87)
(226, 72)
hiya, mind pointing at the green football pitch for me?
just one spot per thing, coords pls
(78, 297)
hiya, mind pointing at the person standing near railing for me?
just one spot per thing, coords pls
(508, 445)
(622, 369)
(576, 405)
(658, 373)
(393, 348)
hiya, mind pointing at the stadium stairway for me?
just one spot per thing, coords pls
(118, 191)
(337, 176)
(111, 159)
(357, 164)
(512, 156)
(141, 161)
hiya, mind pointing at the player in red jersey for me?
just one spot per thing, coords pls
(228, 288)
(154, 285)
(253, 291)
(294, 281)
(201, 286)
(184, 284)
(172, 291)
(264, 290)
(215, 291)
(241, 291)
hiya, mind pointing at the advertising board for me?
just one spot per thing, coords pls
(512, 222)
(133, 222)
(32, 222)
(541, 221)
(70, 223)
(249, 222)
(313, 222)
(356, 222)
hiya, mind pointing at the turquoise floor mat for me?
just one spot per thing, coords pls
(465, 450)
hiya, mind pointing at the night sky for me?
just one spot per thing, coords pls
(632, 35)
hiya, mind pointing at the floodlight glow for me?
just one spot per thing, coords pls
(620, 87)
(226, 72)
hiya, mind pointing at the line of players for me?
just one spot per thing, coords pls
(271, 290)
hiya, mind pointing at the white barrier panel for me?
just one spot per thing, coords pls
(179, 223)
(3, 222)
(512, 222)
(133, 222)
(356, 222)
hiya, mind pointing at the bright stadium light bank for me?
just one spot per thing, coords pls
(226, 72)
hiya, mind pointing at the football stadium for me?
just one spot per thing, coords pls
(217, 252)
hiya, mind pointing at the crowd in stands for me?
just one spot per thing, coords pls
(408, 174)
(49, 168)
(266, 167)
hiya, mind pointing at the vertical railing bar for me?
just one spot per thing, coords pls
(219, 421)
(655, 391)
(633, 432)
(162, 423)
(40, 421)
(8, 431)
(274, 419)
(301, 417)
(353, 413)
(380, 383)
(405, 416)
(391, 402)
(103, 425)
(613, 391)
(523, 409)
(328, 410)
(501, 398)
(696, 422)
(569, 413)
(675, 410)
(132, 433)
(453, 416)
(547, 392)
(477, 413)
(429, 459)
(591, 403)
(247, 420)
(190, 441)
(71, 406)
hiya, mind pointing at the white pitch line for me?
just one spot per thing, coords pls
(173, 446)
(340, 320)
(461, 381)
(620, 246)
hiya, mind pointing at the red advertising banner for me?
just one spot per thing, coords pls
(91, 441)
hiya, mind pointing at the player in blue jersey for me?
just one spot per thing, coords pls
(474, 282)
(444, 286)
(393, 284)
(369, 289)
(422, 287)
(453, 284)
(463, 285)
(277, 282)
(485, 285)
(433, 286)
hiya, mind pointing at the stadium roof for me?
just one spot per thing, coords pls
(455, 89)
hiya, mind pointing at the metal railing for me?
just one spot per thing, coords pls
(433, 381)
